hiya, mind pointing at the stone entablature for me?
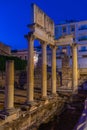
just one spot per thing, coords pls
(42, 20)
(42, 26)
(65, 40)
(41, 34)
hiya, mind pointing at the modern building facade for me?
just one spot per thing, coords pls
(79, 30)
(23, 54)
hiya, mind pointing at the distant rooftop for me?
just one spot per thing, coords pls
(67, 21)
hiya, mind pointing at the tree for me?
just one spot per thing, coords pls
(18, 63)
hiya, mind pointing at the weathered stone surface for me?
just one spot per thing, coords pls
(66, 72)
(33, 118)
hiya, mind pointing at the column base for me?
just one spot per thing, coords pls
(74, 98)
(29, 105)
(54, 95)
(9, 113)
(75, 91)
(45, 100)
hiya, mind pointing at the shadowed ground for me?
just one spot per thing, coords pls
(69, 118)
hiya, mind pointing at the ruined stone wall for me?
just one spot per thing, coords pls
(66, 72)
(2, 78)
(38, 74)
(82, 75)
(31, 119)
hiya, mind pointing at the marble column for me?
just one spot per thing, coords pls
(74, 69)
(44, 70)
(30, 70)
(54, 70)
(9, 88)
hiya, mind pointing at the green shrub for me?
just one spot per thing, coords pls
(18, 63)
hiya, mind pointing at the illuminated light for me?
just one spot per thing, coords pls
(35, 59)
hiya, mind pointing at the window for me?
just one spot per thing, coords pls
(25, 57)
(84, 56)
(83, 48)
(64, 29)
(72, 28)
(83, 38)
(57, 33)
(82, 27)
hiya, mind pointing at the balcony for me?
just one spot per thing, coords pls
(83, 38)
(83, 27)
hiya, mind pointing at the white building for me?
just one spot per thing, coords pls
(79, 30)
(23, 54)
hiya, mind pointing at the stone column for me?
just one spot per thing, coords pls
(44, 71)
(74, 68)
(9, 88)
(30, 71)
(54, 70)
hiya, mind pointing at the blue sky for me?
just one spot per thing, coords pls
(15, 15)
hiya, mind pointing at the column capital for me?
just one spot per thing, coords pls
(31, 37)
(43, 42)
(74, 45)
(53, 47)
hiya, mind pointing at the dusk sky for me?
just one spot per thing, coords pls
(15, 15)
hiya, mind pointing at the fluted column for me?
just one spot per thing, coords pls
(44, 70)
(74, 69)
(54, 70)
(30, 70)
(9, 87)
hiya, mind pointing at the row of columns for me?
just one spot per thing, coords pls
(9, 90)
(30, 80)
(30, 85)
(9, 87)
